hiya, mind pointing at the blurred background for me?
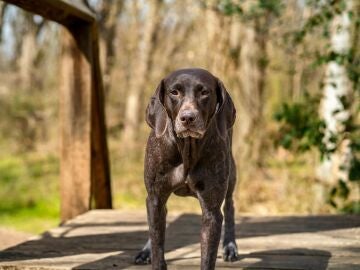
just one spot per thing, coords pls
(292, 68)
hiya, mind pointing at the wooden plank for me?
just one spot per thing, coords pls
(10, 237)
(66, 12)
(109, 239)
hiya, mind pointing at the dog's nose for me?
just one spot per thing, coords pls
(187, 117)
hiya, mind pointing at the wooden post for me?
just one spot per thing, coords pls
(75, 116)
(100, 165)
(85, 168)
(86, 180)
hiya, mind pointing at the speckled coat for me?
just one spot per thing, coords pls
(200, 167)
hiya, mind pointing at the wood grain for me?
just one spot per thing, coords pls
(75, 117)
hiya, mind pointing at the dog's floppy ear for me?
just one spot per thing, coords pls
(156, 115)
(226, 113)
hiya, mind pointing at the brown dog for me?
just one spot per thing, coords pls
(189, 153)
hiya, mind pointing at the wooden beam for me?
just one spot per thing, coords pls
(65, 12)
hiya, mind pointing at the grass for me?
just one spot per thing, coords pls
(29, 198)
(285, 185)
(128, 183)
(32, 219)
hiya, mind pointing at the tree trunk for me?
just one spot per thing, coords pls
(3, 7)
(110, 11)
(252, 72)
(28, 51)
(337, 89)
(141, 74)
(218, 29)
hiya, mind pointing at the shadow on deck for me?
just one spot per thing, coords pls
(109, 239)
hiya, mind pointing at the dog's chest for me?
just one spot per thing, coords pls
(192, 162)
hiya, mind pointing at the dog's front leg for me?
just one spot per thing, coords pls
(210, 237)
(210, 231)
(157, 223)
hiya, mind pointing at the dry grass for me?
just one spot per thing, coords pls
(285, 185)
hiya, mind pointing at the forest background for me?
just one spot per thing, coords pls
(292, 68)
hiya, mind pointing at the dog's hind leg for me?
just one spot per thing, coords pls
(229, 243)
(144, 256)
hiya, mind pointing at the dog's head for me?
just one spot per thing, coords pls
(190, 99)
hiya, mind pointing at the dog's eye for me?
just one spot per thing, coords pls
(174, 92)
(204, 92)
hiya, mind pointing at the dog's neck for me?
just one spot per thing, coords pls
(191, 149)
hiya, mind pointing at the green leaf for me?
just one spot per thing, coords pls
(343, 190)
(354, 173)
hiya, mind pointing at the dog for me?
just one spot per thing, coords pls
(189, 153)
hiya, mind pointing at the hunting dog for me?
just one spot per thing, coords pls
(189, 153)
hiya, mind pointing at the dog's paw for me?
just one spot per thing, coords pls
(230, 253)
(143, 257)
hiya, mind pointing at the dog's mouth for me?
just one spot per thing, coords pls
(190, 133)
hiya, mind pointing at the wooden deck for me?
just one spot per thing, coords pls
(109, 239)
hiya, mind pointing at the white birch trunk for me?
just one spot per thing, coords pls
(336, 85)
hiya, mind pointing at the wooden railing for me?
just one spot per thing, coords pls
(85, 173)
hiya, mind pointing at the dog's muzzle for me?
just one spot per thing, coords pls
(190, 133)
(188, 123)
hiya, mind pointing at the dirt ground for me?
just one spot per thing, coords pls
(9, 237)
